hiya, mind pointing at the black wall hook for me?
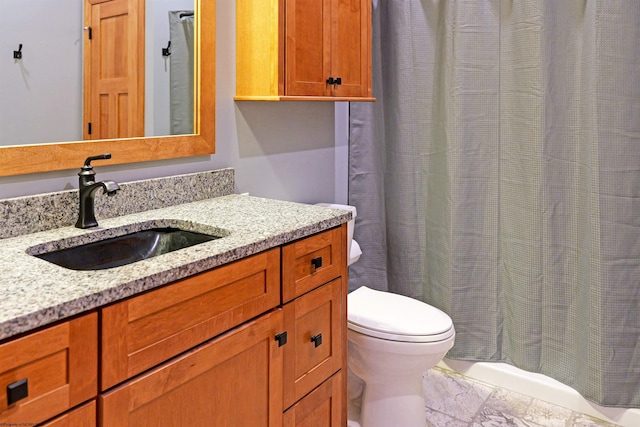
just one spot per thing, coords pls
(167, 51)
(17, 54)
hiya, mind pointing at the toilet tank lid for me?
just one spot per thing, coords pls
(395, 314)
(354, 211)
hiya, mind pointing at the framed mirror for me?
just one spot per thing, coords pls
(23, 157)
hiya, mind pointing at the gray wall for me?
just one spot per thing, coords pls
(290, 151)
(41, 94)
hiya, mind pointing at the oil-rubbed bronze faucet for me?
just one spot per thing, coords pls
(88, 187)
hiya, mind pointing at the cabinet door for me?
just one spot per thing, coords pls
(351, 47)
(314, 350)
(320, 408)
(313, 261)
(146, 330)
(308, 40)
(83, 416)
(233, 380)
(47, 372)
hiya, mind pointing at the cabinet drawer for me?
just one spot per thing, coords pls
(84, 416)
(314, 350)
(313, 261)
(59, 365)
(146, 330)
(321, 408)
(232, 380)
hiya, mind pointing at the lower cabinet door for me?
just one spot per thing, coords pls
(233, 380)
(320, 408)
(314, 351)
(83, 416)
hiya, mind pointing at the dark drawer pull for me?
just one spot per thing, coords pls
(316, 263)
(281, 338)
(17, 391)
(316, 340)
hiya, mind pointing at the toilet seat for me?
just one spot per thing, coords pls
(396, 317)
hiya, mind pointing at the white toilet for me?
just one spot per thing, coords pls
(393, 340)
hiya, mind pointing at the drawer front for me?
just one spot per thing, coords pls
(232, 380)
(146, 330)
(313, 261)
(314, 350)
(84, 416)
(323, 407)
(47, 372)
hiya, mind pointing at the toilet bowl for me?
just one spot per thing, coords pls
(393, 340)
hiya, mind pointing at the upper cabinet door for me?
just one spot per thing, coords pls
(351, 48)
(318, 50)
(308, 42)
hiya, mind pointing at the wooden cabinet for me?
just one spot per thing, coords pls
(45, 373)
(314, 351)
(303, 50)
(234, 380)
(83, 416)
(257, 342)
(320, 408)
(314, 277)
(146, 330)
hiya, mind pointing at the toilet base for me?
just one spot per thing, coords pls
(400, 404)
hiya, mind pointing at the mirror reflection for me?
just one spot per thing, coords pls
(133, 77)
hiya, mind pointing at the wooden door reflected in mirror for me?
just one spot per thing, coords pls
(114, 69)
(32, 158)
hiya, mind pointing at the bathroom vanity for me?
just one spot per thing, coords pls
(245, 330)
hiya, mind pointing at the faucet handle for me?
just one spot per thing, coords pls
(105, 156)
(86, 172)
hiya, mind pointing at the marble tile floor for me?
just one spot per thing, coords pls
(453, 400)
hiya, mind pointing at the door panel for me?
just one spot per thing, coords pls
(308, 26)
(114, 69)
(193, 389)
(349, 47)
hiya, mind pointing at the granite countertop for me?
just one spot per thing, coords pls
(36, 292)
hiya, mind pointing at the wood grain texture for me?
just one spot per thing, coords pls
(298, 274)
(320, 408)
(146, 330)
(287, 49)
(114, 70)
(308, 365)
(234, 380)
(82, 416)
(258, 69)
(60, 364)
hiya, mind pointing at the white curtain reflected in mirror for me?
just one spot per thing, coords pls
(182, 61)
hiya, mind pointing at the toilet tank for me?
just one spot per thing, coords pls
(353, 248)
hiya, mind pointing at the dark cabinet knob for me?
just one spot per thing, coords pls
(281, 338)
(316, 263)
(17, 391)
(317, 340)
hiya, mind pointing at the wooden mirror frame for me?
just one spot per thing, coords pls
(26, 159)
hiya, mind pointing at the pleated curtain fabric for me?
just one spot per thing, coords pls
(497, 177)
(181, 77)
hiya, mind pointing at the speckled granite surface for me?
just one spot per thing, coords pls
(30, 214)
(35, 292)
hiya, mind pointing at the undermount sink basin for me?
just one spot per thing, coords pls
(126, 249)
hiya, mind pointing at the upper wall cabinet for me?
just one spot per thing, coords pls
(303, 50)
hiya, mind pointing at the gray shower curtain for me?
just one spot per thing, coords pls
(182, 60)
(497, 177)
